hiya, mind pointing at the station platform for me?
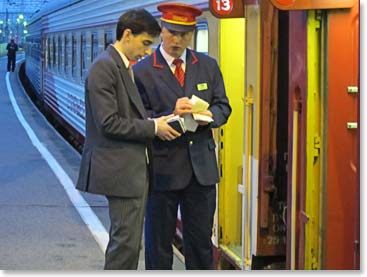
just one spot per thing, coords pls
(46, 224)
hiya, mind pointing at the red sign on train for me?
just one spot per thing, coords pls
(222, 7)
(227, 8)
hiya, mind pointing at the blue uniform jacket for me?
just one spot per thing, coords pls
(194, 152)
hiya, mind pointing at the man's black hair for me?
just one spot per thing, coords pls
(138, 21)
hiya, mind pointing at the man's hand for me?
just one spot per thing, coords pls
(207, 113)
(164, 131)
(183, 106)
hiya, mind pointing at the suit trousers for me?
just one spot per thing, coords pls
(125, 235)
(197, 205)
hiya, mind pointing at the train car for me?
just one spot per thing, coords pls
(288, 196)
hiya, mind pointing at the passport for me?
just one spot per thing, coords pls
(177, 123)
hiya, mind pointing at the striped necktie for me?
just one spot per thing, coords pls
(179, 73)
(131, 73)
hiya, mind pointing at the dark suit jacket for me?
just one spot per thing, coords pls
(194, 152)
(117, 134)
(12, 48)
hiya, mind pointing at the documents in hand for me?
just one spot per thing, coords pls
(177, 123)
(190, 124)
(201, 117)
(198, 104)
(188, 121)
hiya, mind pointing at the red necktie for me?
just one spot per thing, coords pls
(179, 73)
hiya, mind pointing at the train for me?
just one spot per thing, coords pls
(289, 190)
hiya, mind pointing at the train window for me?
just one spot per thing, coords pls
(73, 56)
(59, 52)
(94, 45)
(48, 52)
(202, 38)
(66, 53)
(53, 52)
(108, 38)
(83, 55)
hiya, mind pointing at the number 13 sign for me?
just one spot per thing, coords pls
(223, 6)
(227, 8)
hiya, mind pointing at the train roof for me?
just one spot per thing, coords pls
(50, 7)
(54, 6)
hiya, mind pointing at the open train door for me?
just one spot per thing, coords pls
(338, 220)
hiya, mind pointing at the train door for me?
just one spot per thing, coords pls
(341, 245)
(315, 135)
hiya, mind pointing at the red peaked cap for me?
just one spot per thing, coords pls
(179, 17)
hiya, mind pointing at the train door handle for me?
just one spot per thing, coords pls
(352, 125)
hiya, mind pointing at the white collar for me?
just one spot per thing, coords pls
(123, 57)
(169, 59)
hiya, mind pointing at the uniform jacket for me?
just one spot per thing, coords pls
(114, 156)
(194, 152)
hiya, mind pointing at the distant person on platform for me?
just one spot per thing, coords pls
(185, 169)
(115, 160)
(12, 48)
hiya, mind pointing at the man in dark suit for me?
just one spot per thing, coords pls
(12, 48)
(185, 169)
(115, 155)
